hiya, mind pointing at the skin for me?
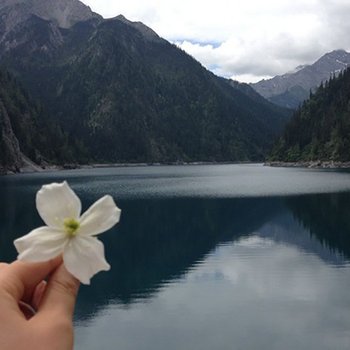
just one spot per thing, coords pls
(22, 289)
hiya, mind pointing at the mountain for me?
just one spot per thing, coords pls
(127, 95)
(26, 132)
(291, 89)
(320, 129)
(64, 13)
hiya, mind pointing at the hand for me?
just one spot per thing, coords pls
(51, 327)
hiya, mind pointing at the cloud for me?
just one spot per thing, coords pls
(246, 40)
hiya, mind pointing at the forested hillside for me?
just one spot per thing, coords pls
(320, 129)
(26, 130)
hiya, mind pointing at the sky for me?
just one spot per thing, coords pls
(246, 40)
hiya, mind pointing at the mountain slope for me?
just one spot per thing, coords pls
(320, 129)
(290, 89)
(25, 130)
(129, 95)
(10, 154)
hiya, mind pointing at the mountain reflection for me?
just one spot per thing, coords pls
(326, 217)
(159, 240)
(18, 216)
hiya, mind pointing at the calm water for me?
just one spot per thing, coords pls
(209, 257)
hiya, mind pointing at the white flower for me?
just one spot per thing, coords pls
(68, 233)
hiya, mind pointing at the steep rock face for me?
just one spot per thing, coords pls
(290, 89)
(64, 13)
(35, 36)
(23, 20)
(10, 154)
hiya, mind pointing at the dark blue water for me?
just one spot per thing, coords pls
(209, 257)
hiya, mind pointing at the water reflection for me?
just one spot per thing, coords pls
(252, 275)
(160, 240)
(326, 217)
(18, 215)
(202, 273)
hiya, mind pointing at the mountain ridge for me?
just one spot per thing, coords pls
(65, 13)
(291, 89)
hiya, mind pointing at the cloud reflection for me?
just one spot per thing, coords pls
(268, 296)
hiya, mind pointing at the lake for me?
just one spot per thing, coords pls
(213, 257)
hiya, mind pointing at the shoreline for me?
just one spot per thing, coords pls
(30, 168)
(310, 164)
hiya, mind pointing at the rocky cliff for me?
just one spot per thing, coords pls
(27, 135)
(10, 154)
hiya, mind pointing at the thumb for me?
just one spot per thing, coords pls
(60, 295)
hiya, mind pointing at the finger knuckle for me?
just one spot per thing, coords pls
(66, 287)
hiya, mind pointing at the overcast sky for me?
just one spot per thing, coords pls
(246, 40)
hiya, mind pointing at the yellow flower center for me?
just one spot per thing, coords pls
(71, 226)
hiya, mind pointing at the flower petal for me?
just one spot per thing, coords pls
(100, 217)
(84, 256)
(41, 244)
(56, 202)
